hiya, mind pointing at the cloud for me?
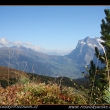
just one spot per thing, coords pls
(18, 43)
(5, 42)
(34, 47)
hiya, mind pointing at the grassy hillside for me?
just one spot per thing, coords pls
(20, 88)
(9, 76)
(13, 75)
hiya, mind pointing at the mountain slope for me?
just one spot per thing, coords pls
(84, 51)
(28, 60)
(70, 65)
(13, 75)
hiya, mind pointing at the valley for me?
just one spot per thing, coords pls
(71, 65)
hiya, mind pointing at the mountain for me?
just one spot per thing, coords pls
(85, 50)
(71, 65)
(28, 60)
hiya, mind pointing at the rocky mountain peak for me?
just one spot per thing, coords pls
(85, 50)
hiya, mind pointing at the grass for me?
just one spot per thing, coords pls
(107, 95)
(30, 93)
(30, 89)
(34, 91)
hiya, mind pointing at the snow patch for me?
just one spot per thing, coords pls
(93, 45)
(100, 40)
(90, 44)
(83, 42)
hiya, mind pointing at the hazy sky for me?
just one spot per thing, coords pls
(50, 27)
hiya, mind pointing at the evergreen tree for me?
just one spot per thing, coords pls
(104, 73)
(105, 32)
(99, 78)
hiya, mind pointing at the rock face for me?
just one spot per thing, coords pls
(84, 51)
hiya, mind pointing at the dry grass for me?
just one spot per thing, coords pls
(30, 92)
(38, 94)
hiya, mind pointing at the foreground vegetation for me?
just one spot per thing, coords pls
(26, 92)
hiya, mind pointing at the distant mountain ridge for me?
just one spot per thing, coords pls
(28, 60)
(70, 65)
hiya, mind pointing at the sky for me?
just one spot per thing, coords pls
(49, 28)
